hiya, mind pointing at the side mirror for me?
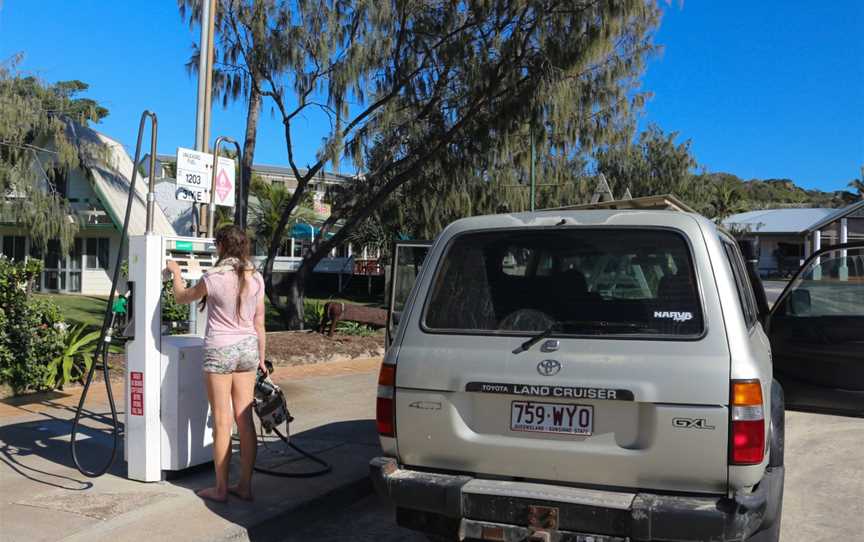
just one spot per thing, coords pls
(799, 303)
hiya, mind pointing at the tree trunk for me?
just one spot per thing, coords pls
(293, 313)
(252, 115)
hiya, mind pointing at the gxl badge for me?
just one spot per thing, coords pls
(549, 367)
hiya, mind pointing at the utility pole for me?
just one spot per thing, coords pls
(533, 180)
(205, 86)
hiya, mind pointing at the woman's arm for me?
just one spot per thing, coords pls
(182, 294)
(262, 333)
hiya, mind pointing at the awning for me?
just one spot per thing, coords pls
(301, 230)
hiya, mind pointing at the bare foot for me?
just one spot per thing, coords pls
(212, 494)
(241, 493)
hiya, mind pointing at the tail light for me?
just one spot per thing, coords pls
(748, 423)
(385, 406)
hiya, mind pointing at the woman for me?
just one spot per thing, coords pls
(234, 343)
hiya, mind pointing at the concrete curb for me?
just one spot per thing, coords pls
(274, 528)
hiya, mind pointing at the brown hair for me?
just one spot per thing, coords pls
(233, 243)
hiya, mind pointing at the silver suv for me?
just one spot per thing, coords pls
(584, 375)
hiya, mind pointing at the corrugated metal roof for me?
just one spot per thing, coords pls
(838, 214)
(778, 220)
(112, 176)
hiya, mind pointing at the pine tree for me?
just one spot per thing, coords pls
(37, 149)
(414, 89)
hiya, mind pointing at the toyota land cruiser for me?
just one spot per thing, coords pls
(580, 375)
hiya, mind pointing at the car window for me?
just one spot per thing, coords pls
(831, 285)
(742, 284)
(583, 281)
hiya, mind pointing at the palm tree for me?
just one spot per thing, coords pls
(727, 200)
(265, 209)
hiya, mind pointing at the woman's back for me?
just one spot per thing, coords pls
(225, 324)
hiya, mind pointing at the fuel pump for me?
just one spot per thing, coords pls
(167, 420)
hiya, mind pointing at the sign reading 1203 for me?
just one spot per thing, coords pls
(193, 168)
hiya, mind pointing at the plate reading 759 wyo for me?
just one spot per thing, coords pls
(561, 418)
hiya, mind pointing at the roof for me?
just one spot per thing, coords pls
(666, 202)
(111, 176)
(856, 209)
(779, 221)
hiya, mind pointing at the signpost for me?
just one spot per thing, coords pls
(224, 186)
(194, 178)
(193, 168)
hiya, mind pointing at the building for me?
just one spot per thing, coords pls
(786, 237)
(97, 192)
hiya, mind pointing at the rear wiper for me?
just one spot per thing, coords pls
(536, 338)
(611, 326)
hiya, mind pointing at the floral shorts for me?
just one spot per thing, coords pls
(235, 358)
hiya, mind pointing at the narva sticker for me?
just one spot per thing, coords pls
(674, 315)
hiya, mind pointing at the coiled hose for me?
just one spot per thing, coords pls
(108, 320)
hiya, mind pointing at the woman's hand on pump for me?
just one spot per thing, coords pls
(262, 367)
(172, 267)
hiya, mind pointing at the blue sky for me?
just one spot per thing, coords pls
(763, 89)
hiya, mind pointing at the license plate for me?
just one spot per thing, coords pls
(558, 418)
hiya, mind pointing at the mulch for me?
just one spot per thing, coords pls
(302, 347)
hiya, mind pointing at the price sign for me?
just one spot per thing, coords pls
(193, 169)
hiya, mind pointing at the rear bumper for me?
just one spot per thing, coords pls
(498, 510)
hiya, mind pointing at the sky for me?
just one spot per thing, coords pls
(769, 89)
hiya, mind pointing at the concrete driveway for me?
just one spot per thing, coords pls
(824, 494)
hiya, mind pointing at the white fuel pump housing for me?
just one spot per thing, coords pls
(168, 424)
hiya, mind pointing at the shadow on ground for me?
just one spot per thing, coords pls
(29, 447)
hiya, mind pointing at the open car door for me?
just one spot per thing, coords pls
(408, 258)
(816, 329)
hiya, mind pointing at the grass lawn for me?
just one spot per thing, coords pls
(84, 309)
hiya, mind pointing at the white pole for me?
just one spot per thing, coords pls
(817, 244)
(844, 238)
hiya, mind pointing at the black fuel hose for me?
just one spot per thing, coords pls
(325, 466)
(108, 321)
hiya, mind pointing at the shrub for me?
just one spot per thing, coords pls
(75, 359)
(171, 310)
(355, 328)
(313, 311)
(31, 330)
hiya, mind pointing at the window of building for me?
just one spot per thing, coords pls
(97, 253)
(14, 247)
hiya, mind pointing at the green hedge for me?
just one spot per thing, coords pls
(32, 330)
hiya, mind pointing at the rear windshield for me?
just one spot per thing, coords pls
(576, 281)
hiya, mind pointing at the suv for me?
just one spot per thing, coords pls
(580, 375)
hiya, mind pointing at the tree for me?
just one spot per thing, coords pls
(38, 148)
(727, 200)
(266, 210)
(858, 184)
(412, 86)
(240, 47)
(653, 165)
